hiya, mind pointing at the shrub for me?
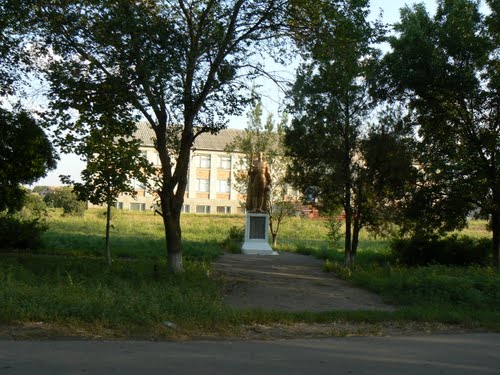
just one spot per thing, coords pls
(232, 243)
(451, 250)
(34, 206)
(66, 199)
(17, 233)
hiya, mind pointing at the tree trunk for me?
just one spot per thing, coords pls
(495, 227)
(108, 221)
(173, 237)
(275, 239)
(348, 226)
(355, 239)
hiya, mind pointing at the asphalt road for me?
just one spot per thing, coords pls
(434, 354)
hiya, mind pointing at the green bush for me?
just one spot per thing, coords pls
(453, 250)
(232, 243)
(34, 206)
(17, 233)
(66, 199)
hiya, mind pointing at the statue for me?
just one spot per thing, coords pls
(258, 186)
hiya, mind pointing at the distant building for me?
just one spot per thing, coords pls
(211, 169)
(47, 190)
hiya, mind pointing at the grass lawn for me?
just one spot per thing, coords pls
(68, 283)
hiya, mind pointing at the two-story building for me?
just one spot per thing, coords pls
(211, 170)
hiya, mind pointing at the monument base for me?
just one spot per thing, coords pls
(257, 248)
(257, 235)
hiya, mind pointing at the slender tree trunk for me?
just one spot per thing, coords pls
(355, 239)
(348, 227)
(495, 227)
(496, 242)
(275, 239)
(173, 237)
(108, 222)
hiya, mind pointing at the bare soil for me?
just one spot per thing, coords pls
(296, 283)
(290, 282)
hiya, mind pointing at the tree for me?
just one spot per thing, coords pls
(113, 159)
(66, 198)
(266, 139)
(446, 69)
(177, 63)
(14, 59)
(26, 155)
(330, 108)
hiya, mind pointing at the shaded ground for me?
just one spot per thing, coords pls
(289, 282)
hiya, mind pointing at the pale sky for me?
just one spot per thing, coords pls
(72, 165)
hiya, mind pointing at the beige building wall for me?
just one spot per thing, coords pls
(210, 185)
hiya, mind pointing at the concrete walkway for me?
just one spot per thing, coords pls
(289, 282)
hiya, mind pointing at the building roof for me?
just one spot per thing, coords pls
(205, 141)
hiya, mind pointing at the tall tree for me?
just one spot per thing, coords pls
(330, 109)
(447, 69)
(26, 155)
(177, 63)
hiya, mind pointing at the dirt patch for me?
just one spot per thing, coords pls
(290, 282)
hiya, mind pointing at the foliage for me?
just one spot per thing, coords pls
(446, 69)
(26, 155)
(388, 156)
(453, 250)
(66, 199)
(178, 64)
(34, 206)
(232, 243)
(17, 233)
(333, 223)
(113, 157)
(14, 54)
(330, 109)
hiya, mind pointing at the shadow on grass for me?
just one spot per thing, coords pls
(123, 246)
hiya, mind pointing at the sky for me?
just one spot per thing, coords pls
(70, 164)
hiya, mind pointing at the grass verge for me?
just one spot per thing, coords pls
(67, 287)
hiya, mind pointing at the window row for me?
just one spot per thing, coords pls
(205, 162)
(203, 186)
(186, 208)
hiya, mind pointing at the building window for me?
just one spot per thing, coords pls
(223, 186)
(225, 162)
(119, 205)
(203, 185)
(223, 209)
(204, 161)
(186, 208)
(144, 154)
(202, 209)
(137, 206)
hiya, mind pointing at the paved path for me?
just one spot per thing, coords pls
(290, 282)
(429, 355)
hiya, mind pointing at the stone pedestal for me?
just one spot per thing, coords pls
(257, 235)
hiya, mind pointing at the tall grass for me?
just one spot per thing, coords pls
(136, 293)
(69, 282)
